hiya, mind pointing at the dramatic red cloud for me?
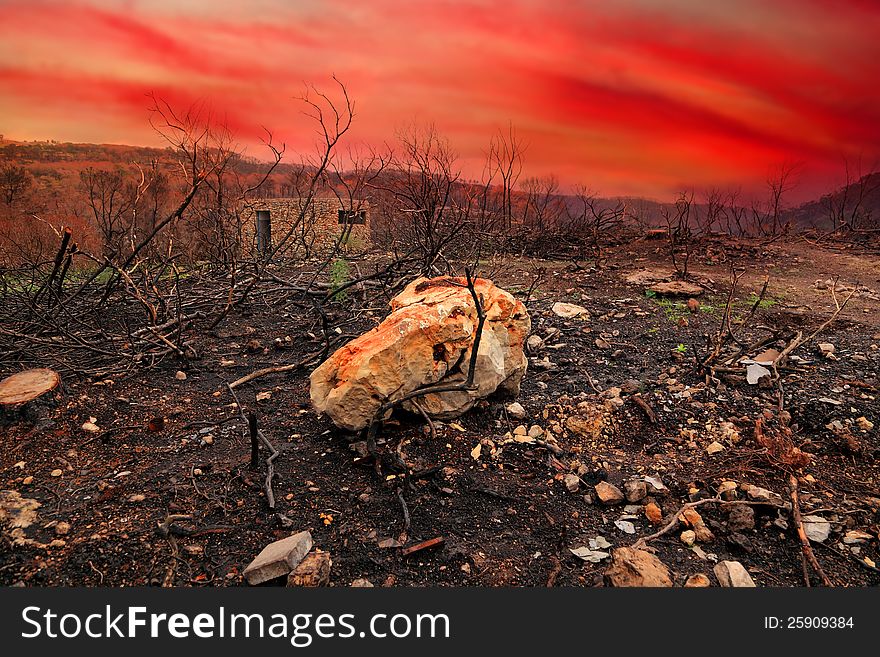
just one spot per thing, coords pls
(631, 97)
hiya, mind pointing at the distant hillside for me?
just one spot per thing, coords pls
(857, 203)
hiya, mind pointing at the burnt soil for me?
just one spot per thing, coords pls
(507, 520)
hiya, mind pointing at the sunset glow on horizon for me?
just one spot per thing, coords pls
(638, 97)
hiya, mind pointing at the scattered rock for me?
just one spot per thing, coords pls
(714, 447)
(569, 310)
(816, 528)
(588, 554)
(756, 372)
(134, 498)
(653, 513)
(864, 423)
(180, 375)
(535, 431)
(56, 473)
(361, 583)
(693, 305)
(655, 486)
(90, 426)
(625, 526)
(535, 343)
(826, 349)
(635, 490)
(608, 493)
(312, 571)
(62, 528)
(278, 559)
(426, 338)
(732, 574)
(516, 411)
(677, 289)
(633, 567)
(855, 536)
(695, 521)
(698, 581)
(688, 537)
(741, 517)
(572, 482)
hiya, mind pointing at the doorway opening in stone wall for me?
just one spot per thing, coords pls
(264, 232)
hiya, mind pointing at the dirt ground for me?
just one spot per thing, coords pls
(508, 518)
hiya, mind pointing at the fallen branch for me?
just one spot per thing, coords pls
(807, 550)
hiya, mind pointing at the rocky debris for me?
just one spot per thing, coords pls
(361, 583)
(695, 521)
(826, 349)
(653, 513)
(688, 537)
(655, 486)
(732, 574)
(593, 552)
(625, 526)
(426, 338)
(697, 581)
(740, 517)
(634, 567)
(648, 276)
(608, 494)
(279, 558)
(816, 528)
(635, 490)
(312, 571)
(62, 528)
(180, 375)
(677, 289)
(714, 447)
(572, 482)
(755, 372)
(864, 423)
(516, 411)
(693, 305)
(854, 536)
(758, 494)
(569, 310)
(534, 343)
(16, 514)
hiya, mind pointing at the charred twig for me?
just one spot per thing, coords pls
(807, 550)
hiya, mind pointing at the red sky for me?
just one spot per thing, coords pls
(628, 97)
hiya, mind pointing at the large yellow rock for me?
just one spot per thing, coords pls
(427, 338)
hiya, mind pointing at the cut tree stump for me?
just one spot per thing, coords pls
(25, 387)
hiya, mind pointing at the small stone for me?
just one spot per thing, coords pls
(608, 493)
(625, 526)
(816, 528)
(516, 410)
(27, 481)
(180, 375)
(521, 431)
(264, 395)
(688, 537)
(589, 554)
(698, 581)
(695, 520)
(635, 489)
(740, 518)
(197, 472)
(313, 571)
(572, 482)
(136, 497)
(826, 349)
(653, 513)
(714, 447)
(62, 528)
(655, 486)
(55, 473)
(279, 558)
(535, 431)
(569, 310)
(693, 305)
(208, 440)
(535, 343)
(361, 583)
(91, 427)
(864, 423)
(855, 536)
(633, 567)
(732, 574)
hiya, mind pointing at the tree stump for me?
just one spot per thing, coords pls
(19, 392)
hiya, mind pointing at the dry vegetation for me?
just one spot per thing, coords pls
(181, 440)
